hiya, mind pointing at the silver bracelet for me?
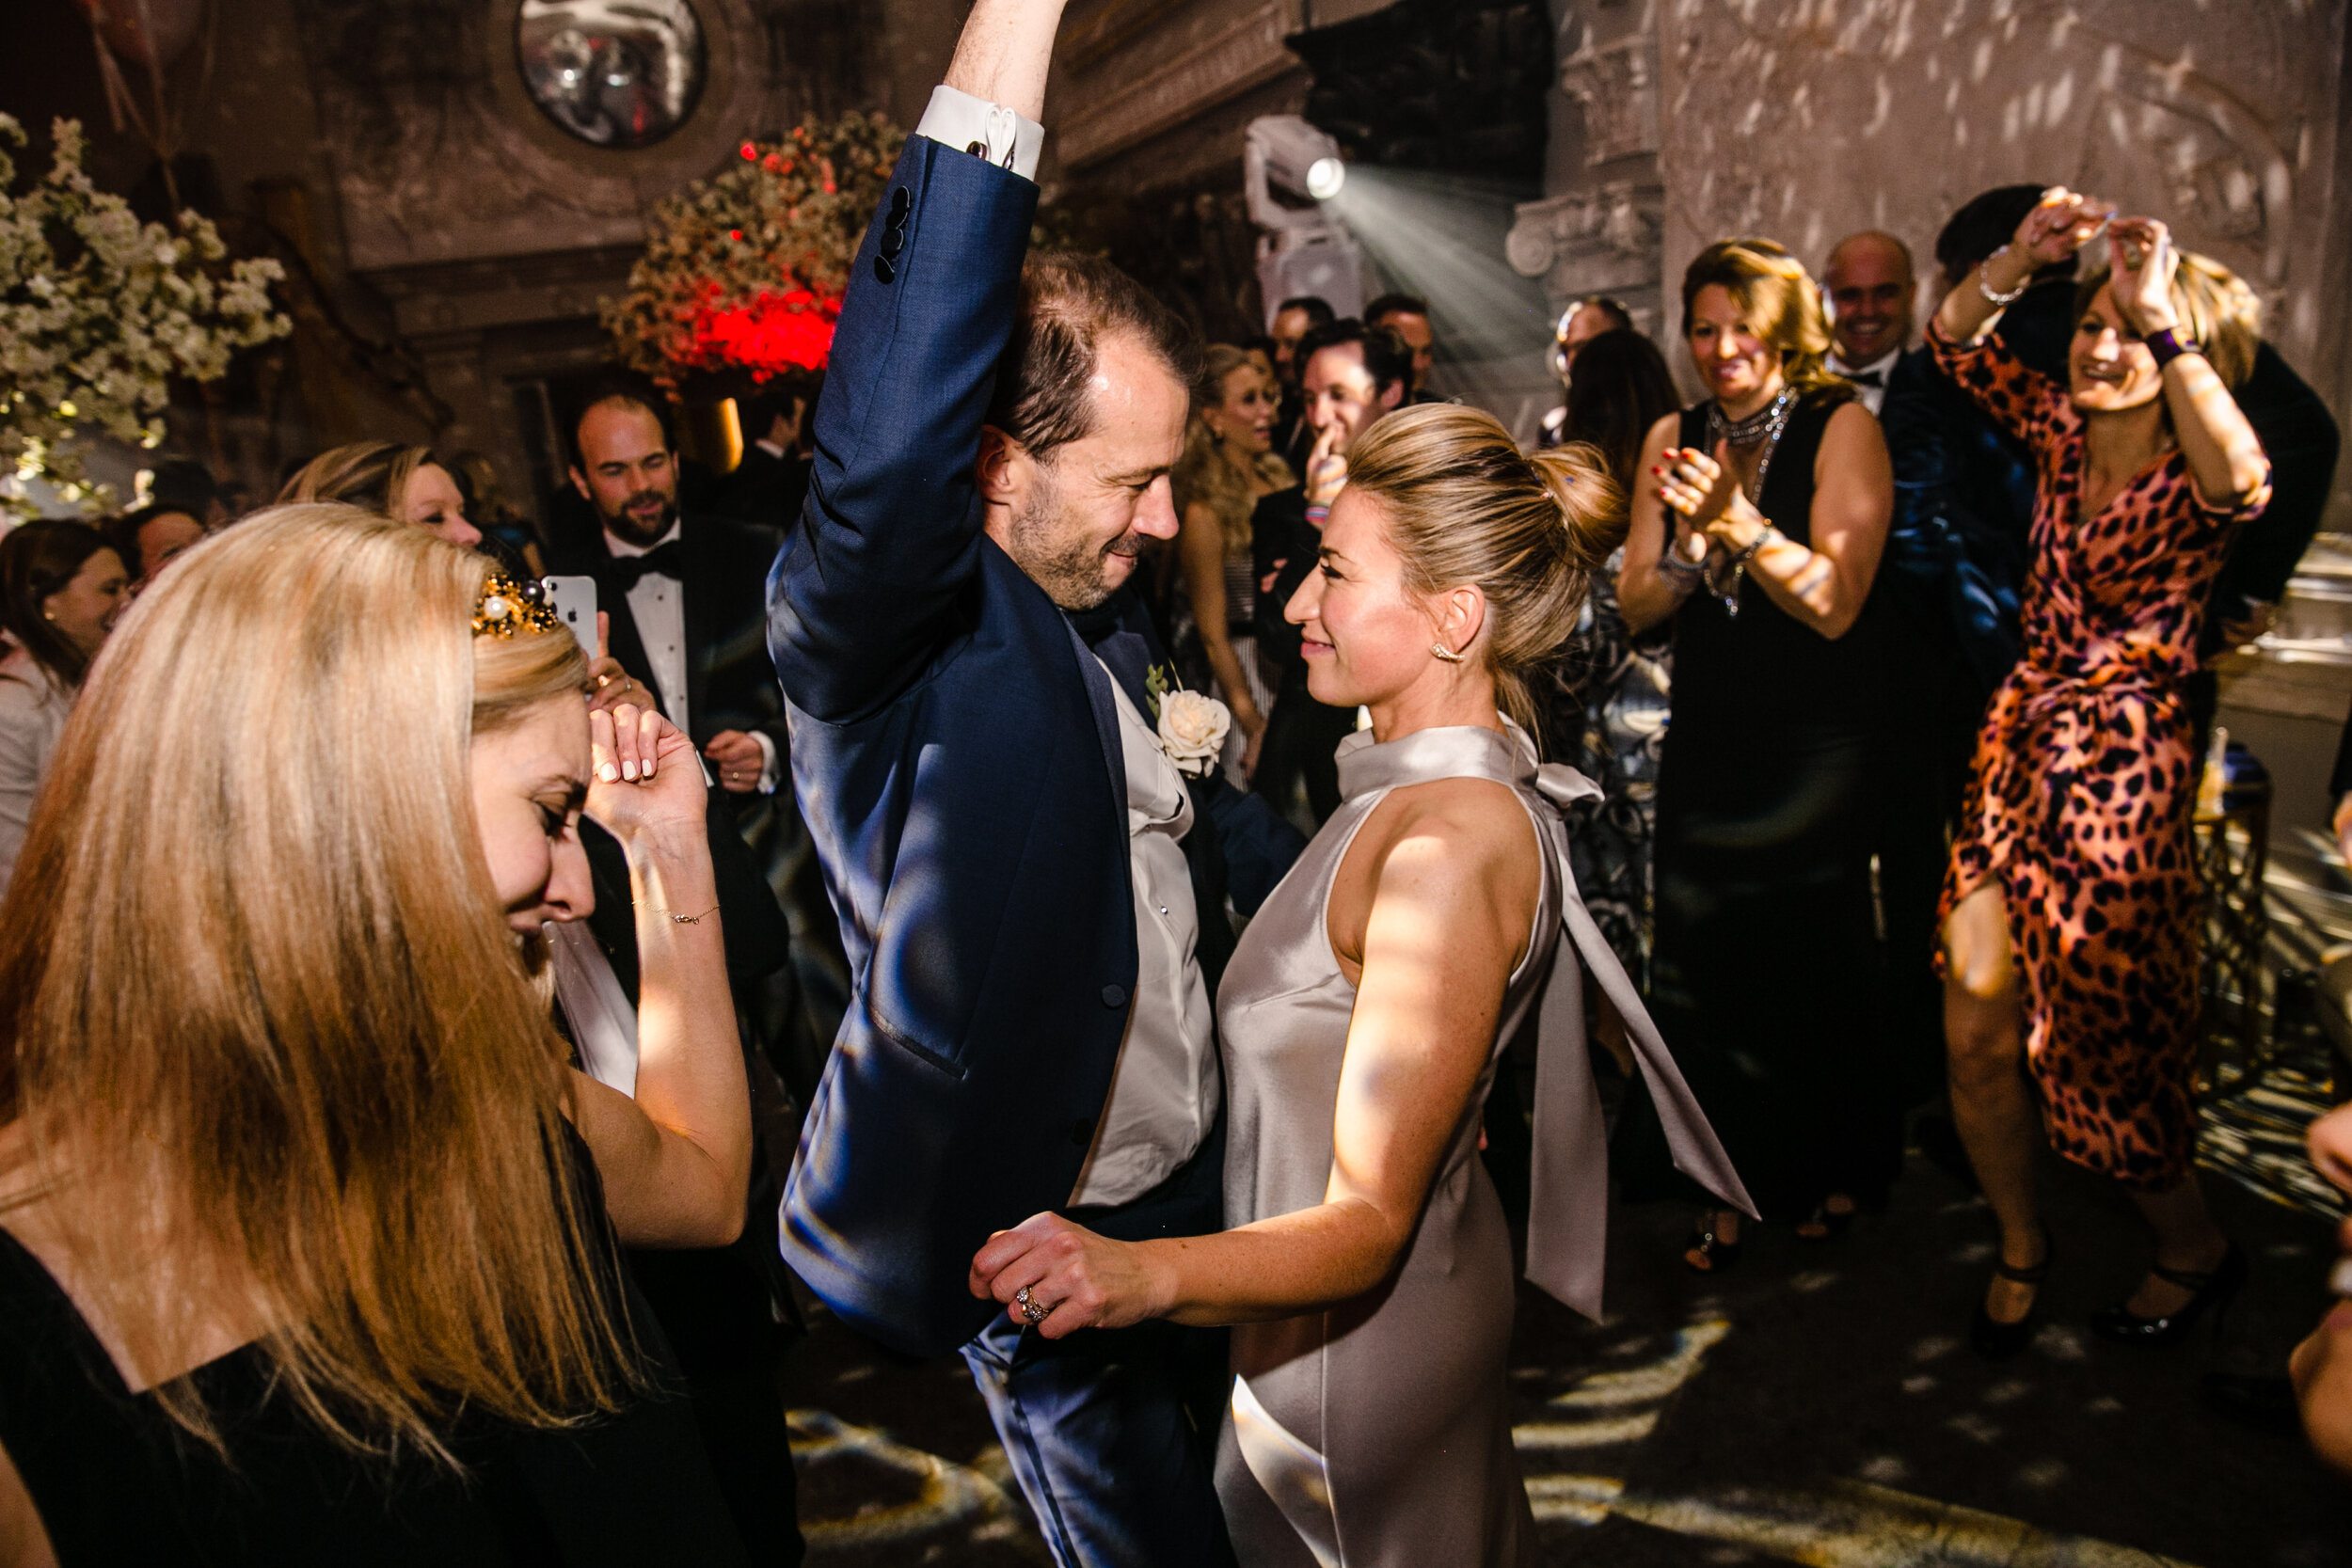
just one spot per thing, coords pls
(1986, 288)
(1682, 575)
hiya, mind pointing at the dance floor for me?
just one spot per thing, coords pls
(1818, 1404)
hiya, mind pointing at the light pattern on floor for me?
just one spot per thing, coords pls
(1841, 1523)
(949, 1496)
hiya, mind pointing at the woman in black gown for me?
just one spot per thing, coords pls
(1756, 528)
(307, 1229)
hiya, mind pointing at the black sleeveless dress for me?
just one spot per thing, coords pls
(116, 1481)
(1766, 978)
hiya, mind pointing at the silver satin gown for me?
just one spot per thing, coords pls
(1377, 1433)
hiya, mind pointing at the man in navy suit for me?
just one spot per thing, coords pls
(1031, 893)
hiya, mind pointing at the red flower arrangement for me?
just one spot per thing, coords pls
(743, 272)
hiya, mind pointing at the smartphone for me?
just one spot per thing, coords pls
(573, 601)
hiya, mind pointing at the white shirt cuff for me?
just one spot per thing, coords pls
(769, 774)
(956, 119)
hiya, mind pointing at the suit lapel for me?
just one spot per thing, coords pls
(1105, 705)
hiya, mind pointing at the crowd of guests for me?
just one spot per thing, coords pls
(439, 1163)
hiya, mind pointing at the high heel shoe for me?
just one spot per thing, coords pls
(2212, 1291)
(1718, 1254)
(1996, 1340)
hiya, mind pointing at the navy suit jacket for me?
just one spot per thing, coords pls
(955, 747)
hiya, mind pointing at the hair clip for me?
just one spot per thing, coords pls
(504, 609)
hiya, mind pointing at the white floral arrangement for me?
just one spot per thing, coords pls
(99, 311)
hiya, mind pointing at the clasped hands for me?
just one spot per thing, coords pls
(1075, 1278)
(1705, 494)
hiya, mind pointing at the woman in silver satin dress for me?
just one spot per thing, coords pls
(1369, 1268)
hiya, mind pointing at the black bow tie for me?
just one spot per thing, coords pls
(664, 559)
(1865, 378)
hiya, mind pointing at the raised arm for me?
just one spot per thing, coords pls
(2225, 457)
(2061, 224)
(677, 1159)
(1440, 857)
(862, 597)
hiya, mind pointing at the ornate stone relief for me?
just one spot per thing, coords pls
(1617, 87)
(1242, 54)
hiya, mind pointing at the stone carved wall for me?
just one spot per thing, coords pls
(1807, 120)
(1597, 228)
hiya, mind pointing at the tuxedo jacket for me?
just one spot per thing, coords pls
(729, 682)
(956, 751)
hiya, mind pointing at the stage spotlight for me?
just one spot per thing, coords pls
(1325, 177)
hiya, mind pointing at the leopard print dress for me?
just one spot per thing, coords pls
(2085, 777)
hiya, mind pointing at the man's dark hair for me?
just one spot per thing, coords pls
(1380, 309)
(1069, 304)
(1385, 356)
(1984, 223)
(1319, 312)
(617, 387)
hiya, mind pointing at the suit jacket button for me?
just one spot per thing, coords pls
(1114, 996)
(883, 271)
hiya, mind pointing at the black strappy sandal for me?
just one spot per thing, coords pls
(1715, 1255)
(2210, 1290)
(1996, 1340)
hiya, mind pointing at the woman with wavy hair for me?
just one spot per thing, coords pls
(1756, 532)
(306, 1228)
(2071, 909)
(1362, 1019)
(1228, 464)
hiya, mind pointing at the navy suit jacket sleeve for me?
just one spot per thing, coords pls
(866, 591)
(1259, 845)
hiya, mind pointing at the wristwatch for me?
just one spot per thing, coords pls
(2168, 344)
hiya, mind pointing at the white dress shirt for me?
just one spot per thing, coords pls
(1165, 1091)
(956, 119)
(1870, 396)
(658, 605)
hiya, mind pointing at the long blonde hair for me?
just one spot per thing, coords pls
(1204, 475)
(1463, 505)
(253, 969)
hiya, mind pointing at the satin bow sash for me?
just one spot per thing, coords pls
(1569, 1212)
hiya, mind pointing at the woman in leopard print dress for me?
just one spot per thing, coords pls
(2070, 907)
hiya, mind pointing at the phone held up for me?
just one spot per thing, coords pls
(573, 601)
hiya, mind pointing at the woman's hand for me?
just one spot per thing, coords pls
(1077, 1278)
(1706, 493)
(1327, 470)
(609, 684)
(2061, 223)
(642, 775)
(2141, 258)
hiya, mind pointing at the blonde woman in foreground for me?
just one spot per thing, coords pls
(1362, 1016)
(306, 1228)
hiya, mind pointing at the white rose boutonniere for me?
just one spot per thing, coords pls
(1192, 731)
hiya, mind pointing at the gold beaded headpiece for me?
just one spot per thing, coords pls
(503, 610)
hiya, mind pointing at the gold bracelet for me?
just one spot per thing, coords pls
(682, 919)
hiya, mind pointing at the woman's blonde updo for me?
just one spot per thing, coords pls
(1465, 507)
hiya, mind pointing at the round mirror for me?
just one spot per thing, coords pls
(619, 74)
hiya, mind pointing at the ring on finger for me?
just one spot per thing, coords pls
(1035, 1311)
